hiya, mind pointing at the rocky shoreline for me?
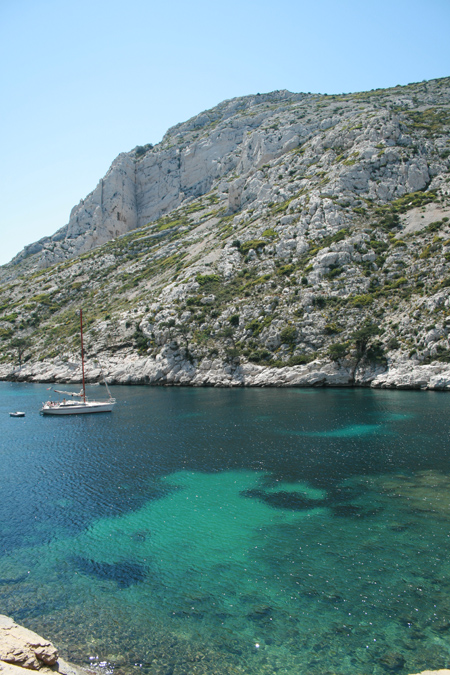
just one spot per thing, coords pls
(171, 368)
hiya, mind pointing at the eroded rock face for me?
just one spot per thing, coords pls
(22, 647)
(107, 212)
(171, 367)
(281, 226)
(139, 188)
(231, 147)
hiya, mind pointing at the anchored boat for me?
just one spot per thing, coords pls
(68, 406)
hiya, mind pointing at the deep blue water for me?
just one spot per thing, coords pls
(231, 531)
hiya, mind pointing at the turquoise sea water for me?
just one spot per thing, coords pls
(209, 531)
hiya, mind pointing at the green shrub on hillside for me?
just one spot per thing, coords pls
(234, 320)
(335, 271)
(288, 335)
(361, 300)
(286, 269)
(207, 279)
(332, 329)
(337, 350)
(255, 244)
(257, 325)
(270, 232)
(259, 355)
(431, 121)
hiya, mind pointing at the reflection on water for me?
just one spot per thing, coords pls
(226, 532)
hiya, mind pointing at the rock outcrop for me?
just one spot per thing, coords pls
(230, 146)
(22, 650)
(275, 240)
(141, 186)
(170, 367)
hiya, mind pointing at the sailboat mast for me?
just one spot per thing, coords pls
(82, 353)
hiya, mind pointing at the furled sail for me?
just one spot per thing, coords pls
(69, 393)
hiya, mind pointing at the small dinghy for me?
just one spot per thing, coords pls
(17, 414)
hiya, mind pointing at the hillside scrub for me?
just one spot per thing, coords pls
(269, 265)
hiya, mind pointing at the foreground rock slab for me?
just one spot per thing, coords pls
(22, 649)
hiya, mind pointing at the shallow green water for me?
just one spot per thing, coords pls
(214, 531)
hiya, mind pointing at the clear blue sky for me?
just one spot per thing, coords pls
(82, 81)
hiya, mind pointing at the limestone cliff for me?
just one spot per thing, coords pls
(149, 182)
(227, 147)
(275, 239)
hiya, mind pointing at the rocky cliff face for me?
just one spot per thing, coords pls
(271, 232)
(228, 146)
(149, 182)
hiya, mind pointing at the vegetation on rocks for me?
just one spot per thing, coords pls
(328, 237)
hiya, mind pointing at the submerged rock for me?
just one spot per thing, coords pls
(392, 661)
(125, 574)
(26, 650)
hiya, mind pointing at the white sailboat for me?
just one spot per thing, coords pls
(83, 405)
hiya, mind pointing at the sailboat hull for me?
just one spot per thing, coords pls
(77, 408)
(82, 406)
